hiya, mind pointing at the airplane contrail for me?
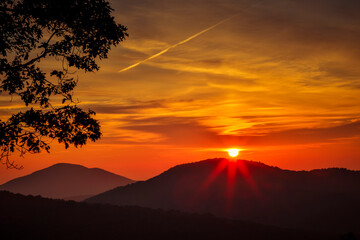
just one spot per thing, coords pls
(177, 44)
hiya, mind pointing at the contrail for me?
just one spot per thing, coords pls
(177, 44)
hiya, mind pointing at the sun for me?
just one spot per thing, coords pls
(233, 152)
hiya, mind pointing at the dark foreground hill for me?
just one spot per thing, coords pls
(28, 217)
(66, 181)
(325, 200)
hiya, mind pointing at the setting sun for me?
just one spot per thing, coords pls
(233, 152)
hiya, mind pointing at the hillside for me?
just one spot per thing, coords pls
(27, 217)
(326, 200)
(66, 181)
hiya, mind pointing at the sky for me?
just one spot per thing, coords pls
(279, 79)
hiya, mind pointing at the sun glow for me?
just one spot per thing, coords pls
(233, 152)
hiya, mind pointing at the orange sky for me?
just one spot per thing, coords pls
(278, 78)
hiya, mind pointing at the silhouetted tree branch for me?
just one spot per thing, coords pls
(75, 33)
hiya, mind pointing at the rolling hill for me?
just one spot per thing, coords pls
(324, 200)
(66, 181)
(28, 217)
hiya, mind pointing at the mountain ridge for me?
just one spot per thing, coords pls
(66, 181)
(253, 192)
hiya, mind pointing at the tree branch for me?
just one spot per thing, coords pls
(43, 54)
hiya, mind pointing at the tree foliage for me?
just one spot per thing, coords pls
(76, 34)
(30, 217)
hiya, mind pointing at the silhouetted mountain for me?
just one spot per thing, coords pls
(39, 218)
(326, 199)
(66, 181)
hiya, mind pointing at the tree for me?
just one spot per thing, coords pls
(76, 33)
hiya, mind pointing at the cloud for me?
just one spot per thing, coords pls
(329, 134)
(278, 66)
(114, 108)
(189, 132)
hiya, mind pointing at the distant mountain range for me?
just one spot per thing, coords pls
(28, 217)
(325, 199)
(66, 181)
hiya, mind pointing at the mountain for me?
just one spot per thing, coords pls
(66, 181)
(28, 217)
(324, 200)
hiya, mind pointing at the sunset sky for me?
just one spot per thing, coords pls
(279, 79)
